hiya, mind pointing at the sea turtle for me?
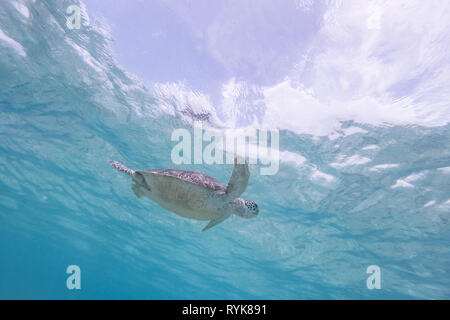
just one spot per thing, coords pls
(192, 194)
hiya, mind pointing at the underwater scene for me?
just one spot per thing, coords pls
(336, 112)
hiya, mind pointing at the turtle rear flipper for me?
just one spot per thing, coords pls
(121, 167)
(137, 190)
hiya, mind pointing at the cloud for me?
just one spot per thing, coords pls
(261, 40)
(377, 63)
(383, 62)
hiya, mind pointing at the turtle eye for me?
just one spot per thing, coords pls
(251, 205)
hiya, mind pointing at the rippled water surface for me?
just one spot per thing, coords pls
(366, 195)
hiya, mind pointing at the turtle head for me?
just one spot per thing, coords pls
(245, 208)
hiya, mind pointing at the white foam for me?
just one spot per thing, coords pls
(87, 57)
(429, 203)
(369, 86)
(359, 86)
(22, 9)
(405, 183)
(241, 102)
(371, 147)
(416, 176)
(445, 205)
(445, 170)
(177, 97)
(402, 184)
(321, 177)
(84, 14)
(353, 130)
(385, 166)
(297, 159)
(296, 110)
(345, 132)
(351, 161)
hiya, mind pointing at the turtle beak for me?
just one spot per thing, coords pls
(256, 210)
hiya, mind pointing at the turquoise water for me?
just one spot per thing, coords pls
(66, 108)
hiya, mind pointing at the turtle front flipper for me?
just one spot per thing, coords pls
(239, 179)
(214, 222)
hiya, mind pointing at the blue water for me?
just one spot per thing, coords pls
(64, 112)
